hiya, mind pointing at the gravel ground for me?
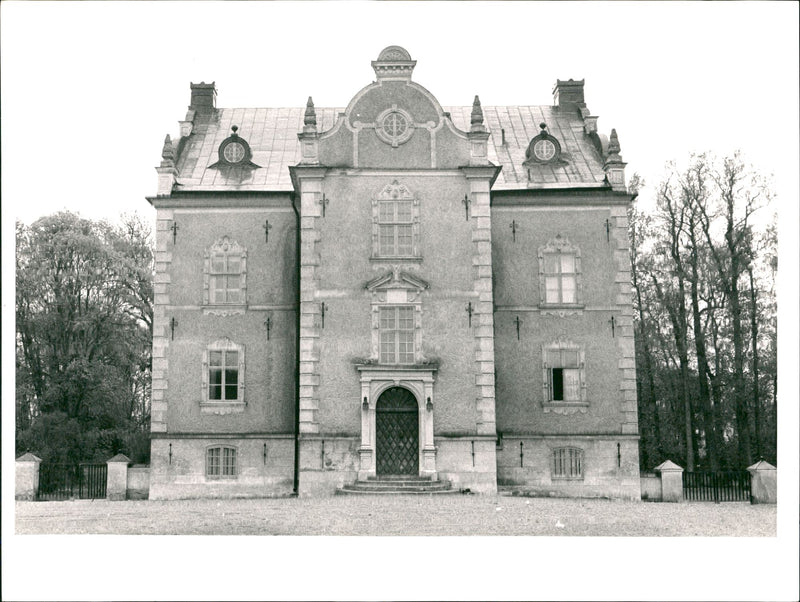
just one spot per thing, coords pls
(396, 515)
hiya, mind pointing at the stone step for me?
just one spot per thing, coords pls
(391, 486)
(401, 477)
(398, 486)
(349, 490)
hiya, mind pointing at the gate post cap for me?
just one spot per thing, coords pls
(668, 466)
(119, 458)
(760, 465)
(29, 457)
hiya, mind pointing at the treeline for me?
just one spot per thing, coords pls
(703, 276)
(84, 314)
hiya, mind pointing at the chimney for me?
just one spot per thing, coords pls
(204, 97)
(568, 94)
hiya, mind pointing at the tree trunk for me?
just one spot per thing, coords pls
(754, 328)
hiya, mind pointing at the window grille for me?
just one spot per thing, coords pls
(221, 462)
(568, 463)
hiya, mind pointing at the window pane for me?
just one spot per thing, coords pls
(558, 384)
(387, 317)
(386, 240)
(215, 358)
(232, 359)
(404, 211)
(569, 358)
(551, 289)
(234, 264)
(231, 392)
(404, 240)
(572, 384)
(551, 264)
(568, 289)
(386, 212)
(568, 264)
(233, 282)
(217, 263)
(233, 296)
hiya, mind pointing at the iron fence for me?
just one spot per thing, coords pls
(70, 481)
(719, 486)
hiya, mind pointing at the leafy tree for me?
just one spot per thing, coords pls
(84, 330)
(703, 281)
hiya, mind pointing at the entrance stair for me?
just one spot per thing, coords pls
(397, 485)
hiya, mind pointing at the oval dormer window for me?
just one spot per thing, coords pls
(394, 126)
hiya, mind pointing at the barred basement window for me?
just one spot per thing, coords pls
(567, 463)
(221, 462)
(397, 335)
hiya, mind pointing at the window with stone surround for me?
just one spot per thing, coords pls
(225, 276)
(223, 376)
(395, 223)
(559, 274)
(397, 335)
(396, 309)
(563, 377)
(567, 463)
(221, 462)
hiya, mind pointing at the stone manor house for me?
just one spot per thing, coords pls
(392, 288)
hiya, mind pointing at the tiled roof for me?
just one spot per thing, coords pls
(272, 136)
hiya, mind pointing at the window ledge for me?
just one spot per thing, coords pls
(394, 258)
(561, 309)
(222, 407)
(565, 407)
(221, 477)
(228, 309)
(555, 478)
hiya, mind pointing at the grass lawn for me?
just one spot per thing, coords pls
(396, 515)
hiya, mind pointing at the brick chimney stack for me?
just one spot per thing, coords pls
(204, 97)
(569, 94)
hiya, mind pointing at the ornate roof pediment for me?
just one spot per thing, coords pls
(397, 279)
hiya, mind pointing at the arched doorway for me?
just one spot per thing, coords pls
(397, 433)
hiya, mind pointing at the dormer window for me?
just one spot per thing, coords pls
(234, 152)
(544, 148)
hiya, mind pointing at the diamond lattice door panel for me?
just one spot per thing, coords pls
(397, 433)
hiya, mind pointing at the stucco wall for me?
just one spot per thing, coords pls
(182, 474)
(270, 292)
(345, 246)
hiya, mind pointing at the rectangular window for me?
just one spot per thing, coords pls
(223, 375)
(395, 228)
(560, 278)
(568, 463)
(397, 335)
(225, 278)
(220, 462)
(564, 374)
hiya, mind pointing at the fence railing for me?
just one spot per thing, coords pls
(68, 481)
(720, 486)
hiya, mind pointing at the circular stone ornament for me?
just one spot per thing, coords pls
(234, 152)
(394, 126)
(544, 150)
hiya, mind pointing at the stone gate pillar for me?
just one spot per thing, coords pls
(671, 481)
(26, 478)
(763, 483)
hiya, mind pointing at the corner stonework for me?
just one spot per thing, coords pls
(163, 261)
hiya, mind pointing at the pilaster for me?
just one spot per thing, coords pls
(480, 180)
(161, 339)
(307, 181)
(623, 320)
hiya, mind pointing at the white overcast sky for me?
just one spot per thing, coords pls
(90, 89)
